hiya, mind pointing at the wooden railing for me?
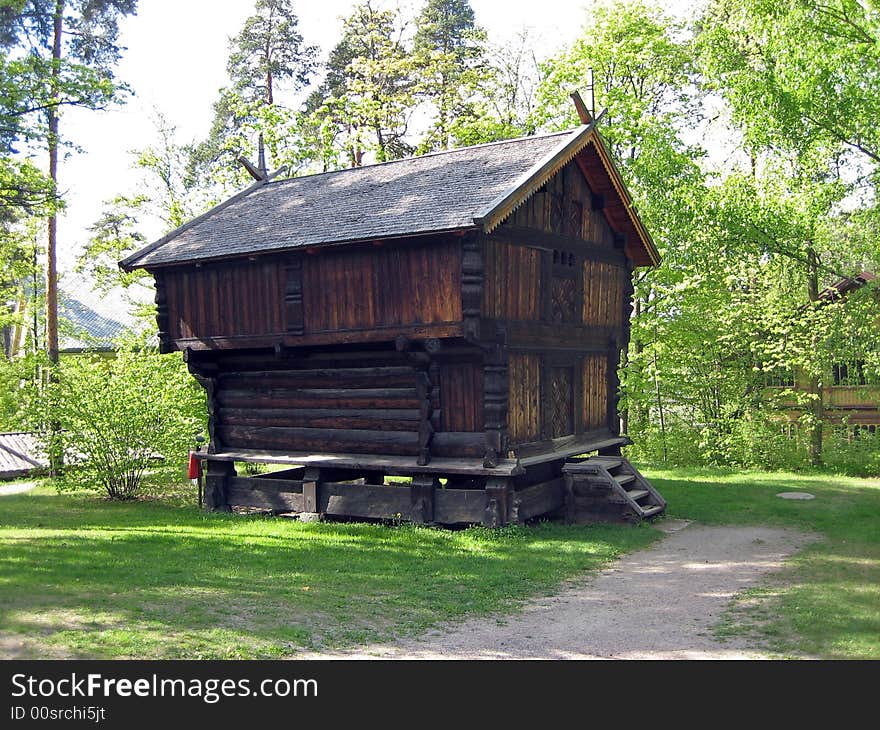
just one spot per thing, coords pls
(836, 396)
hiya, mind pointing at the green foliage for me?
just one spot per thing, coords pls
(268, 52)
(797, 74)
(450, 68)
(368, 93)
(123, 416)
(21, 392)
(503, 107)
(269, 49)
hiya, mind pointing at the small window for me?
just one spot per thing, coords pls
(563, 258)
(850, 373)
(779, 379)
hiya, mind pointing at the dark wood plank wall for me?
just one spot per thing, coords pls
(461, 396)
(565, 205)
(413, 283)
(244, 298)
(603, 294)
(371, 287)
(524, 411)
(594, 373)
(512, 285)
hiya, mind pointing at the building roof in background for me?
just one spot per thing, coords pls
(20, 455)
(466, 188)
(844, 286)
(90, 320)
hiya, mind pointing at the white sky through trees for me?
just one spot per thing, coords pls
(175, 62)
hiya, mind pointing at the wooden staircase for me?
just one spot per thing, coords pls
(608, 489)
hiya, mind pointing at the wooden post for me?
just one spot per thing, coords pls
(570, 505)
(162, 319)
(216, 481)
(205, 375)
(426, 430)
(293, 296)
(495, 401)
(471, 284)
(423, 486)
(311, 478)
(498, 493)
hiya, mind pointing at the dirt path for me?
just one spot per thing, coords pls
(16, 488)
(660, 603)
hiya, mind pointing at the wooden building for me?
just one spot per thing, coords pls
(847, 399)
(456, 318)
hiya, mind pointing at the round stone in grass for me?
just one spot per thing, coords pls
(796, 495)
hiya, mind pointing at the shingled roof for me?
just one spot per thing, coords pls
(445, 191)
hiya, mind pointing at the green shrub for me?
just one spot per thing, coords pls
(20, 387)
(857, 456)
(123, 416)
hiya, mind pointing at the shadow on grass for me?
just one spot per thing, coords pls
(99, 579)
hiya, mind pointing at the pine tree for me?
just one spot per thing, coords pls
(450, 66)
(71, 47)
(368, 92)
(267, 53)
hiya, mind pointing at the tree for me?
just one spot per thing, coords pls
(368, 92)
(268, 51)
(797, 72)
(800, 80)
(125, 416)
(450, 66)
(71, 47)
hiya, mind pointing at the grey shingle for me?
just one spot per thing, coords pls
(438, 192)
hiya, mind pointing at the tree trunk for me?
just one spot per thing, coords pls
(815, 385)
(56, 455)
(51, 259)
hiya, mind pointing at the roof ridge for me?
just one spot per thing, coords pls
(437, 153)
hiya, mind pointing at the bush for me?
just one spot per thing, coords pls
(123, 416)
(857, 456)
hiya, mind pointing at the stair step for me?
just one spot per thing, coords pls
(606, 462)
(623, 479)
(648, 511)
(637, 494)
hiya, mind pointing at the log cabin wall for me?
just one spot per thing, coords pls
(371, 292)
(559, 285)
(356, 400)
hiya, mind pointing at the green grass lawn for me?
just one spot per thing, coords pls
(84, 577)
(827, 603)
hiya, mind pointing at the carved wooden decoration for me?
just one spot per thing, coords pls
(165, 341)
(293, 296)
(561, 413)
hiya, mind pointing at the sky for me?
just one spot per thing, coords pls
(175, 62)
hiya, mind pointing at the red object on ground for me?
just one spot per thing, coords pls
(195, 469)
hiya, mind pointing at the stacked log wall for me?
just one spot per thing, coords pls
(345, 401)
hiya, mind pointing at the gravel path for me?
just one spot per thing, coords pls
(659, 603)
(16, 488)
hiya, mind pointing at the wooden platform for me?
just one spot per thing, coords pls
(445, 491)
(397, 465)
